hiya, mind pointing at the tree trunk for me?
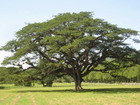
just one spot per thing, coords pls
(76, 75)
(42, 82)
(49, 83)
(78, 82)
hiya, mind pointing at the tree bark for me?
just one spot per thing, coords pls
(78, 86)
(42, 82)
(49, 84)
(78, 81)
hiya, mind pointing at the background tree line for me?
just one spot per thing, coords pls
(13, 75)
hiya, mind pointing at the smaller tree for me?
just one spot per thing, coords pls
(46, 72)
(8, 74)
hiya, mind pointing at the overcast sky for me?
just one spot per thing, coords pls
(15, 14)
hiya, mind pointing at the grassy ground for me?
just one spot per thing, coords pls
(63, 94)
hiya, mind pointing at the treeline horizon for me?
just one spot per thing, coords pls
(11, 75)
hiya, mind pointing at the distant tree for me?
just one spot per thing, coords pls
(76, 42)
(24, 78)
(8, 74)
(98, 77)
(132, 74)
(46, 72)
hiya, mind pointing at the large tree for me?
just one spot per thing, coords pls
(76, 43)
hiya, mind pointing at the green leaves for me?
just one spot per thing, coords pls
(78, 44)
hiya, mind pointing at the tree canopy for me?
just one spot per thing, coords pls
(75, 44)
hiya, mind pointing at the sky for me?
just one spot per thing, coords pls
(15, 14)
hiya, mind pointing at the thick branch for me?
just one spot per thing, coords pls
(45, 56)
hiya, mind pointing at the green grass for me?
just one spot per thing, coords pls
(63, 94)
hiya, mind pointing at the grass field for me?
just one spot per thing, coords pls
(63, 94)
